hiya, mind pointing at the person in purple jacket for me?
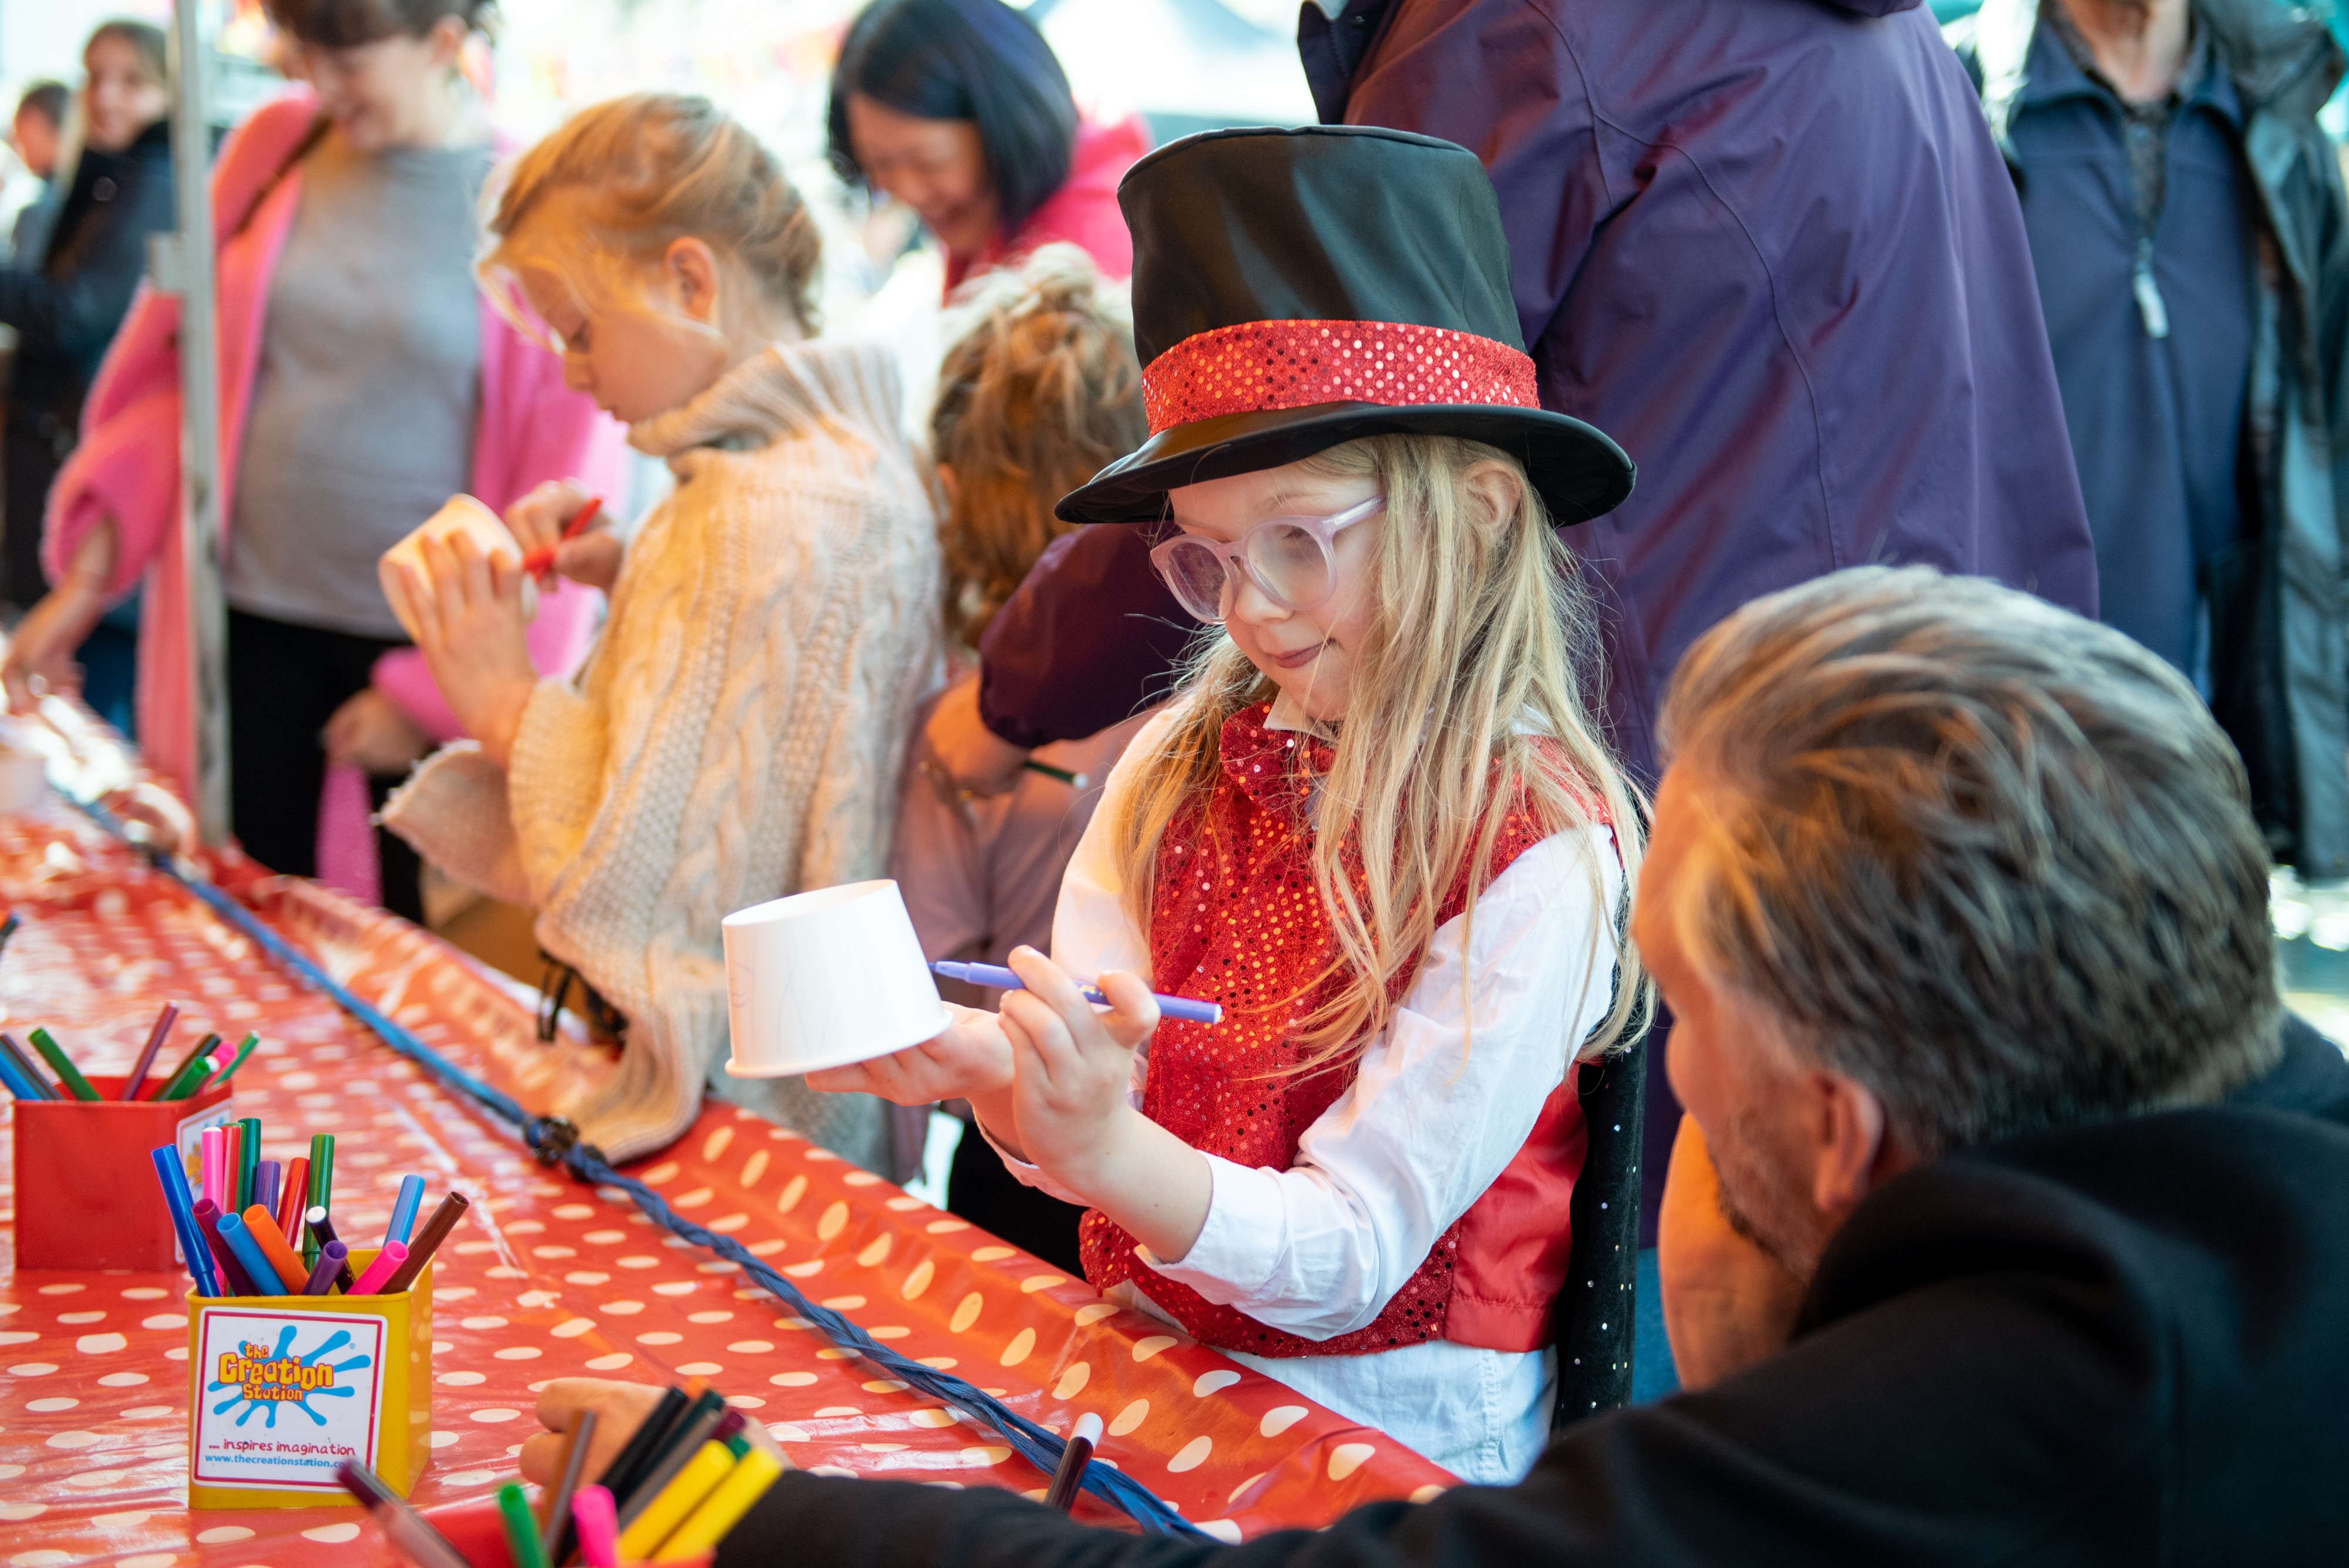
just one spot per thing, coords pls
(1770, 247)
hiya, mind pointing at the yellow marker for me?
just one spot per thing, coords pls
(745, 1484)
(700, 1477)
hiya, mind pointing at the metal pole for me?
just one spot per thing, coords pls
(189, 274)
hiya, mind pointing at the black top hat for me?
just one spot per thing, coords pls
(1295, 289)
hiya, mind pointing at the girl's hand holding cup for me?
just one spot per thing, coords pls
(471, 624)
(971, 1061)
(538, 520)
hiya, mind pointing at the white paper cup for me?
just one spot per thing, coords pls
(463, 516)
(824, 979)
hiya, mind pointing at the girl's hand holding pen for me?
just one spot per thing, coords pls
(1072, 1066)
(538, 522)
(471, 630)
(1069, 1111)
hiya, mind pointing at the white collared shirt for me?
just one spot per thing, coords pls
(1435, 1113)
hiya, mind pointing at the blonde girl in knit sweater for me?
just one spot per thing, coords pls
(737, 732)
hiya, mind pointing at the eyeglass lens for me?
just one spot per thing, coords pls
(1287, 560)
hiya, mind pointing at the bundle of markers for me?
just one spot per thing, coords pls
(671, 1495)
(251, 1227)
(207, 1066)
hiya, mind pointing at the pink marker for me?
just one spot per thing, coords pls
(599, 1527)
(386, 1263)
(213, 1168)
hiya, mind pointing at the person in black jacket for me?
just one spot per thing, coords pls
(2011, 1224)
(65, 308)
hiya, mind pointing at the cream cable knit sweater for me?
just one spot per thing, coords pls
(735, 736)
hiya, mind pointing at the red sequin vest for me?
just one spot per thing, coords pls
(1235, 919)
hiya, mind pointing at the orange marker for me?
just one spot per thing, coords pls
(262, 1224)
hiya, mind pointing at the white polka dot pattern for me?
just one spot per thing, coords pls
(549, 1279)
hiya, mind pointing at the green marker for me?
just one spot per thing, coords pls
(522, 1530)
(62, 1064)
(244, 1049)
(322, 1188)
(189, 1076)
(248, 1159)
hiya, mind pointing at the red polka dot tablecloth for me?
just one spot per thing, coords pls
(549, 1278)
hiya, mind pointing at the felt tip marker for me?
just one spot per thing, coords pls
(331, 1261)
(19, 1084)
(1070, 1479)
(706, 1525)
(540, 562)
(294, 1198)
(319, 1232)
(685, 1493)
(261, 1225)
(410, 1533)
(232, 1267)
(385, 1264)
(14, 1055)
(62, 1065)
(522, 1531)
(251, 1258)
(193, 1248)
(1002, 979)
(598, 1525)
(403, 1211)
(428, 1241)
(155, 1038)
(377, 1273)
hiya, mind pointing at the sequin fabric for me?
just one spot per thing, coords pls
(1259, 366)
(1235, 919)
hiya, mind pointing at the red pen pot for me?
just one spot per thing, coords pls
(86, 1196)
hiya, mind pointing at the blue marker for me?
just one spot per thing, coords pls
(1002, 979)
(403, 1211)
(182, 1205)
(13, 1077)
(263, 1274)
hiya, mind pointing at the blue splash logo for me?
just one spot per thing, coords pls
(266, 1381)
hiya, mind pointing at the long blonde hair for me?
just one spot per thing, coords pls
(1479, 631)
(1040, 391)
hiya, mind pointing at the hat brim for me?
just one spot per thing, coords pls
(1577, 468)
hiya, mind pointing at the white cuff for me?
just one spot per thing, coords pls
(1241, 1243)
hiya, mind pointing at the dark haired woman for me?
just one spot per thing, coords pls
(365, 380)
(65, 303)
(961, 110)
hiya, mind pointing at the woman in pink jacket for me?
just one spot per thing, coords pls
(364, 379)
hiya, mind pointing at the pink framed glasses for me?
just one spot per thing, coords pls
(1288, 558)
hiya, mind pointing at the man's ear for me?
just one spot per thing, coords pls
(689, 267)
(1849, 1144)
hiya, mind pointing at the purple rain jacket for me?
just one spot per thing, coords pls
(1769, 247)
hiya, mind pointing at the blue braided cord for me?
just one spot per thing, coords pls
(1036, 1445)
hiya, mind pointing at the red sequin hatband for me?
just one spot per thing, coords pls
(1257, 367)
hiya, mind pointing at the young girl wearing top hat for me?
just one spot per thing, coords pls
(1376, 825)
